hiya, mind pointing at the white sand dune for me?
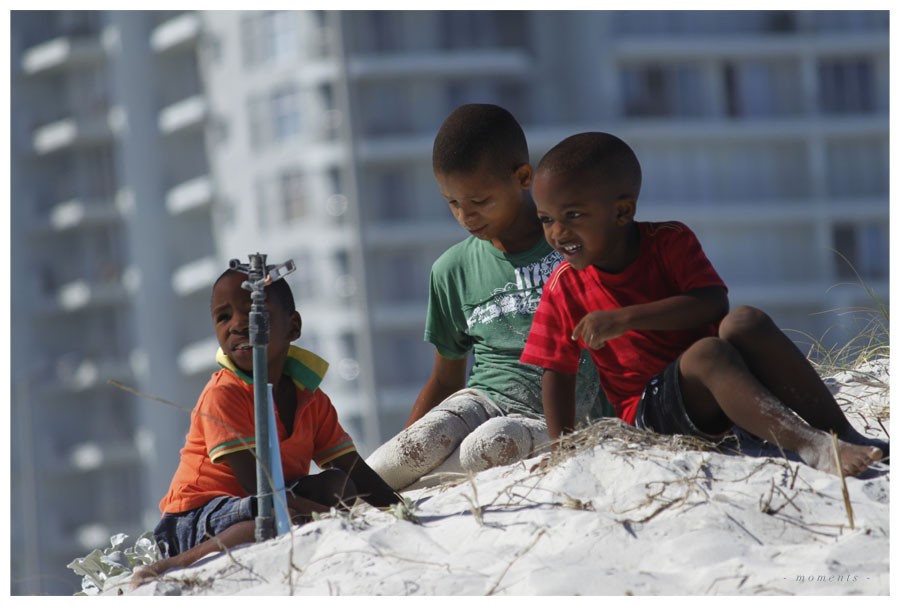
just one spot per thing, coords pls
(621, 516)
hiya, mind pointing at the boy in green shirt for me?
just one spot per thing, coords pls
(483, 295)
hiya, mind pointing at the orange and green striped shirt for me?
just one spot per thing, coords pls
(222, 423)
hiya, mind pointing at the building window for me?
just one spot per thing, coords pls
(99, 172)
(469, 29)
(846, 86)
(671, 90)
(303, 279)
(392, 195)
(285, 108)
(386, 109)
(269, 37)
(720, 173)
(857, 167)
(275, 118)
(864, 248)
(761, 89)
(294, 194)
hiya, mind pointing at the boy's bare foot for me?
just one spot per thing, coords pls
(855, 459)
(850, 435)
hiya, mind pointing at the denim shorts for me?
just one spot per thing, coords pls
(178, 532)
(661, 408)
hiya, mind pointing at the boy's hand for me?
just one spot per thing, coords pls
(597, 327)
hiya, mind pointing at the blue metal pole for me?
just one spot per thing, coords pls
(258, 276)
(259, 339)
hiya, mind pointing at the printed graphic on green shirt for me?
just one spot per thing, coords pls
(482, 301)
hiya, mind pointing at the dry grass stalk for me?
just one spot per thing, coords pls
(837, 461)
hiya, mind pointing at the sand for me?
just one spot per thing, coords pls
(625, 513)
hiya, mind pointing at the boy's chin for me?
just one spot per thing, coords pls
(243, 361)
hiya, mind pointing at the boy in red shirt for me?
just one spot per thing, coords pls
(648, 304)
(213, 490)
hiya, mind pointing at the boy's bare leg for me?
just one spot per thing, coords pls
(778, 364)
(718, 388)
(425, 444)
(239, 533)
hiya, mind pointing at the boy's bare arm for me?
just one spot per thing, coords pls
(369, 484)
(447, 377)
(692, 309)
(558, 396)
(243, 465)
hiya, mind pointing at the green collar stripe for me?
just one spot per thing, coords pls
(304, 367)
(303, 375)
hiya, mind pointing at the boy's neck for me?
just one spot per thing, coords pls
(628, 251)
(524, 233)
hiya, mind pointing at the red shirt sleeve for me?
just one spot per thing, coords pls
(683, 258)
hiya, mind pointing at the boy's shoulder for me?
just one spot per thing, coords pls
(458, 252)
(224, 384)
(563, 273)
(664, 228)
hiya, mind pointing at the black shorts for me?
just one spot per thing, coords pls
(661, 408)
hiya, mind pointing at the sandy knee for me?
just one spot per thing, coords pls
(418, 449)
(501, 441)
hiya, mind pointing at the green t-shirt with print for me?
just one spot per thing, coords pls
(482, 300)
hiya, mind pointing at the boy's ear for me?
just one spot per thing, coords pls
(525, 176)
(296, 326)
(625, 209)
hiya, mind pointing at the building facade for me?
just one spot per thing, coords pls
(150, 147)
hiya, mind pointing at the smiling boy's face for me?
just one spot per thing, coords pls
(231, 318)
(585, 220)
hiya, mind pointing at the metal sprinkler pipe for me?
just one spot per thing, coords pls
(257, 280)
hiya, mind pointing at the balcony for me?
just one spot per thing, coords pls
(702, 47)
(190, 195)
(90, 373)
(195, 276)
(61, 53)
(454, 64)
(399, 317)
(81, 294)
(198, 358)
(77, 214)
(71, 132)
(396, 149)
(183, 116)
(181, 31)
(411, 235)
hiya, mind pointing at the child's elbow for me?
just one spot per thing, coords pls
(720, 303)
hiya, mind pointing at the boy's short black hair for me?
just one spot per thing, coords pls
(476, 133)
(279, 289)
(598, 155)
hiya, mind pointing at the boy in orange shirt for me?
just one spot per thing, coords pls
(213, 490)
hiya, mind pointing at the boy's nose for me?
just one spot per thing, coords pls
(240, 322)
(557, 230)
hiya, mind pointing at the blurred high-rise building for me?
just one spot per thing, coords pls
(149, 147)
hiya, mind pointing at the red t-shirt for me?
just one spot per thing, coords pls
(670, 262)
(222, 423)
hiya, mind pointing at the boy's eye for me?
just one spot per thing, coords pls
(479, 202)
(222, 317)
(574, 214)
(545, 219)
